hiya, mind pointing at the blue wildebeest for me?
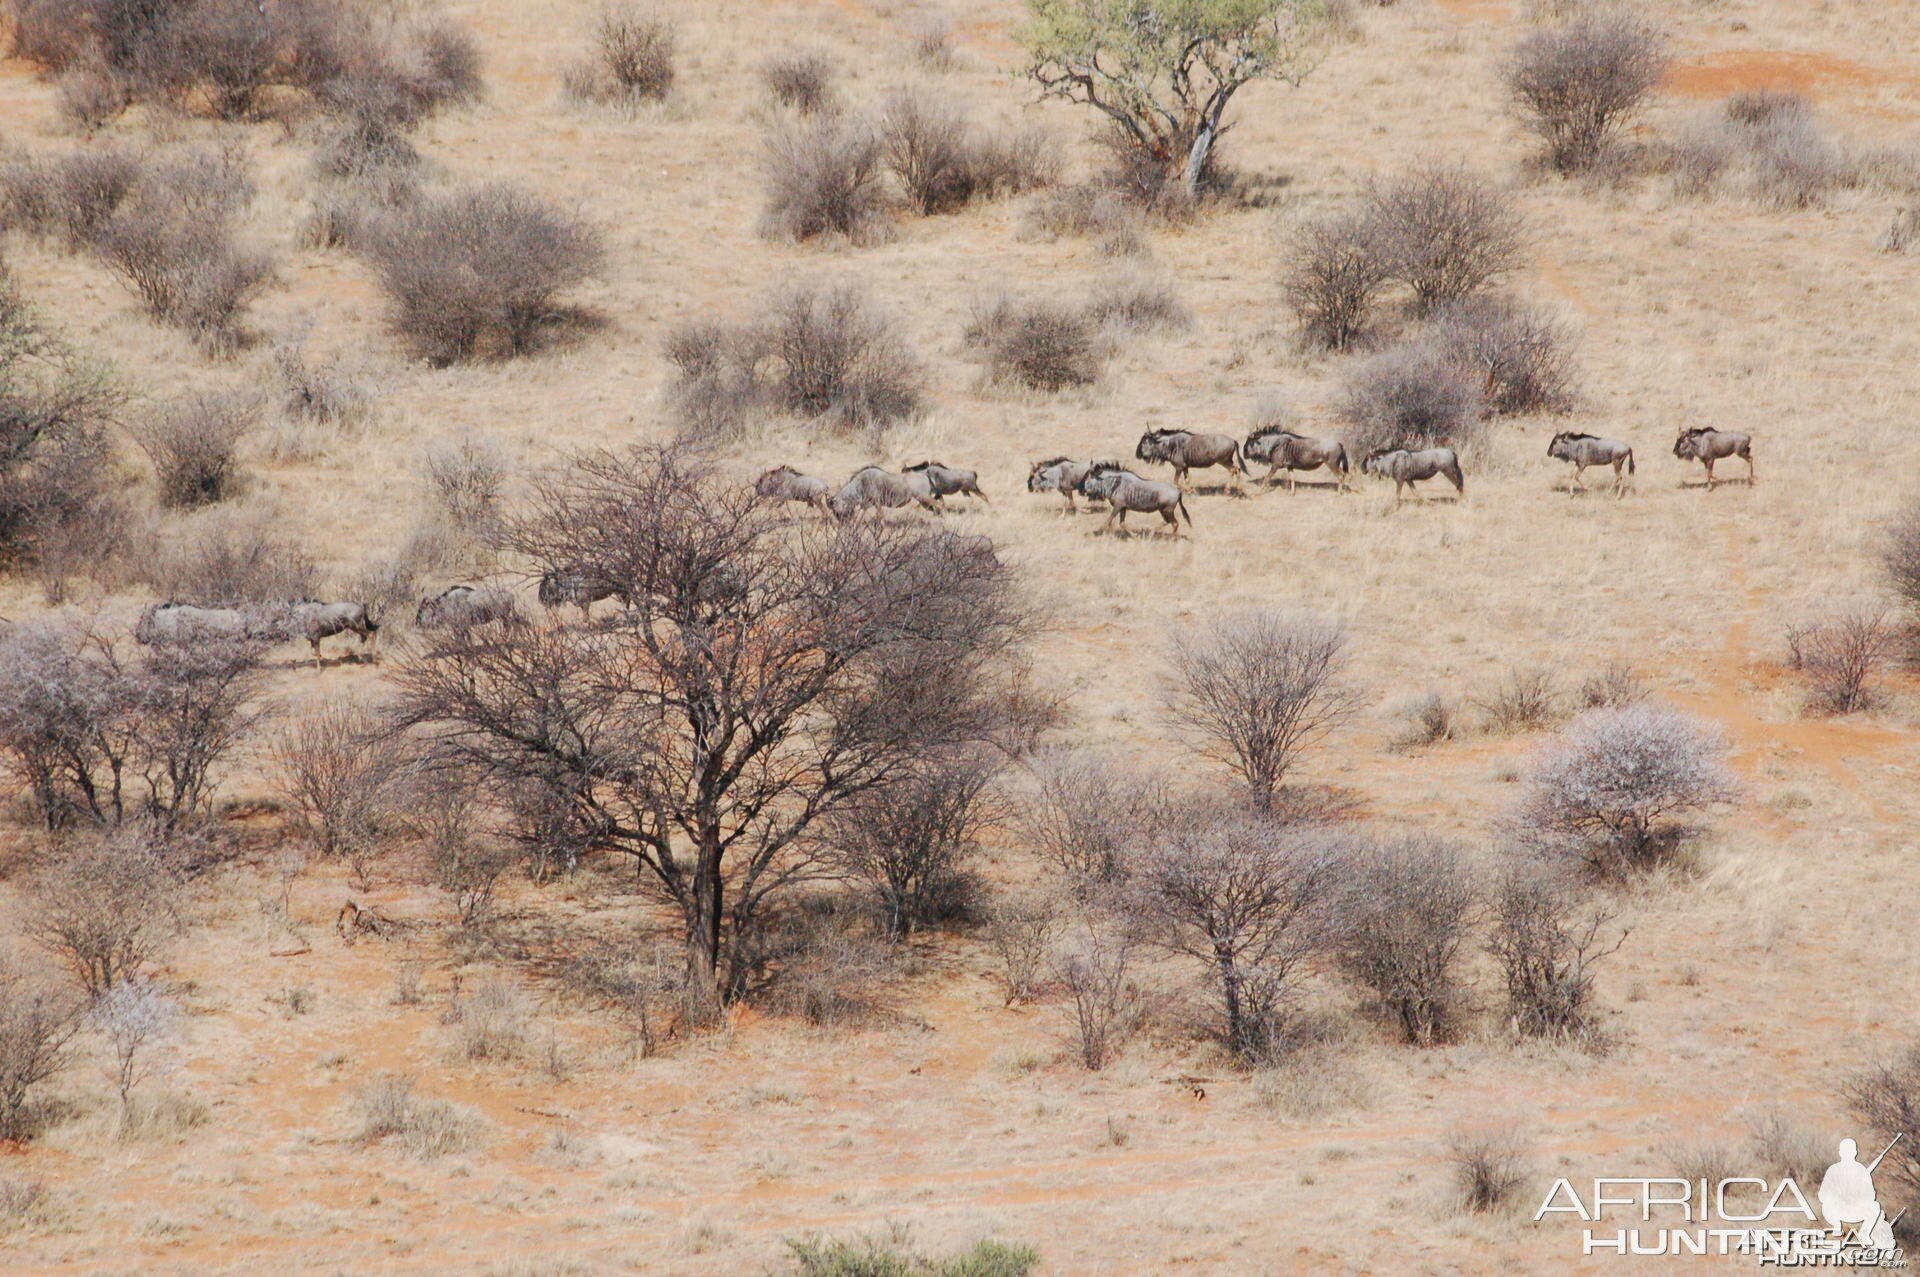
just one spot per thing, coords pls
(1708, 446)
(949, 481)
(1124, 492)
(1406, 467)
(1058, 474)
(313, 621)
(1184, 450)
(561, 586)
(172, 622)
(460, 607)
(872, 488)
(1282, 449)
(1591, 450)
(784, 483)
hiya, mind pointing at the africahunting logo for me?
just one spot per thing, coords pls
(1771, 1220)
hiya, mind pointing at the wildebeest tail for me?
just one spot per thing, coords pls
(1459, 477)
(1630, 469)
(1182, 503)
(1345, 465)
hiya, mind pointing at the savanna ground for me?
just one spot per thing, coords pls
(1785, 964)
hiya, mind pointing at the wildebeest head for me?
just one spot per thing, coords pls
(1041, 476)
(1561, 445)
(1378, 459)
(1688, 444)
(770, 481)
(923, 465)
(1158, 445)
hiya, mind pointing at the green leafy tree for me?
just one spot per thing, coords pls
(1165, 71)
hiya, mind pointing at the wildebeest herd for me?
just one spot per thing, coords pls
(926, 485)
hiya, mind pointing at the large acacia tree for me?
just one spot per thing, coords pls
(765, 677)
(1165, 71)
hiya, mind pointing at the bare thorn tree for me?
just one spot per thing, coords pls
(1243, 895)
(765, 677)
(1547, 943)
(37, 1027)
(1259, 688)
(1404, 909)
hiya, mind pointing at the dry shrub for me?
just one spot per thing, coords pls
(62, 503)
(1547, 940)
(1088, 812)
(1042, 345)
(50, 33)
(24, 1203)
(317, 399)
(1413, 395)
(1578, 84)
(640, 985)
(476, 271)
(218, 55)
(235, 554)
(1900, 555)
(1138, 303)
(107, 904)
(1427, 719)
(345, 774)
(492, 1021)
(824, 177)
(1842, 658)
(38, 1022)
(1524, 700)
(174, 241)
(465, 860)
(88, 96)
(1523, 351)
(1445, 232)
(1773, 142)
(1403, 910)
(388, 1112)
(194, 441)
(1335, 271)
(838, 358)
(1611, 793)
(930, 36)
(466, 478)
(1614, 687)
(818, 962)
(1021, 933)
(631, 59)
(1117, 228)
(1256, 690)
(1489, 1164)
(1096, 970)
(818, 352)
(907, 845)
(1245, 897)
(890, 1257)
(942, 163)
(801, 80)
(70, 196)
(1779, 1144)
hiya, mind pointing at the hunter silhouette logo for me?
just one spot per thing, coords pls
(1772, 1220)
(1848, 1202)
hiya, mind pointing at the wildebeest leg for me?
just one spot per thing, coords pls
(1708, 463)
(1113, 512)
(314, 643)
(1577, 485)
(1173, 520)
(1749, 459)
(931, 503)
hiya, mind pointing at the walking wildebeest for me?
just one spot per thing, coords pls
(313, 621)
(1708, 446)
(1058, 474)
(949, 481)
(1282, 449)
(1591, 450)
(1125, 491)
(1184, 450)
(172, 622)
(1406, 467)
(872, 488)
(784, 483)
(570, 585)
(459, 607)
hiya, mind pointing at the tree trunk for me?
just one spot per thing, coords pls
(703, 928)
(1198, 154)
